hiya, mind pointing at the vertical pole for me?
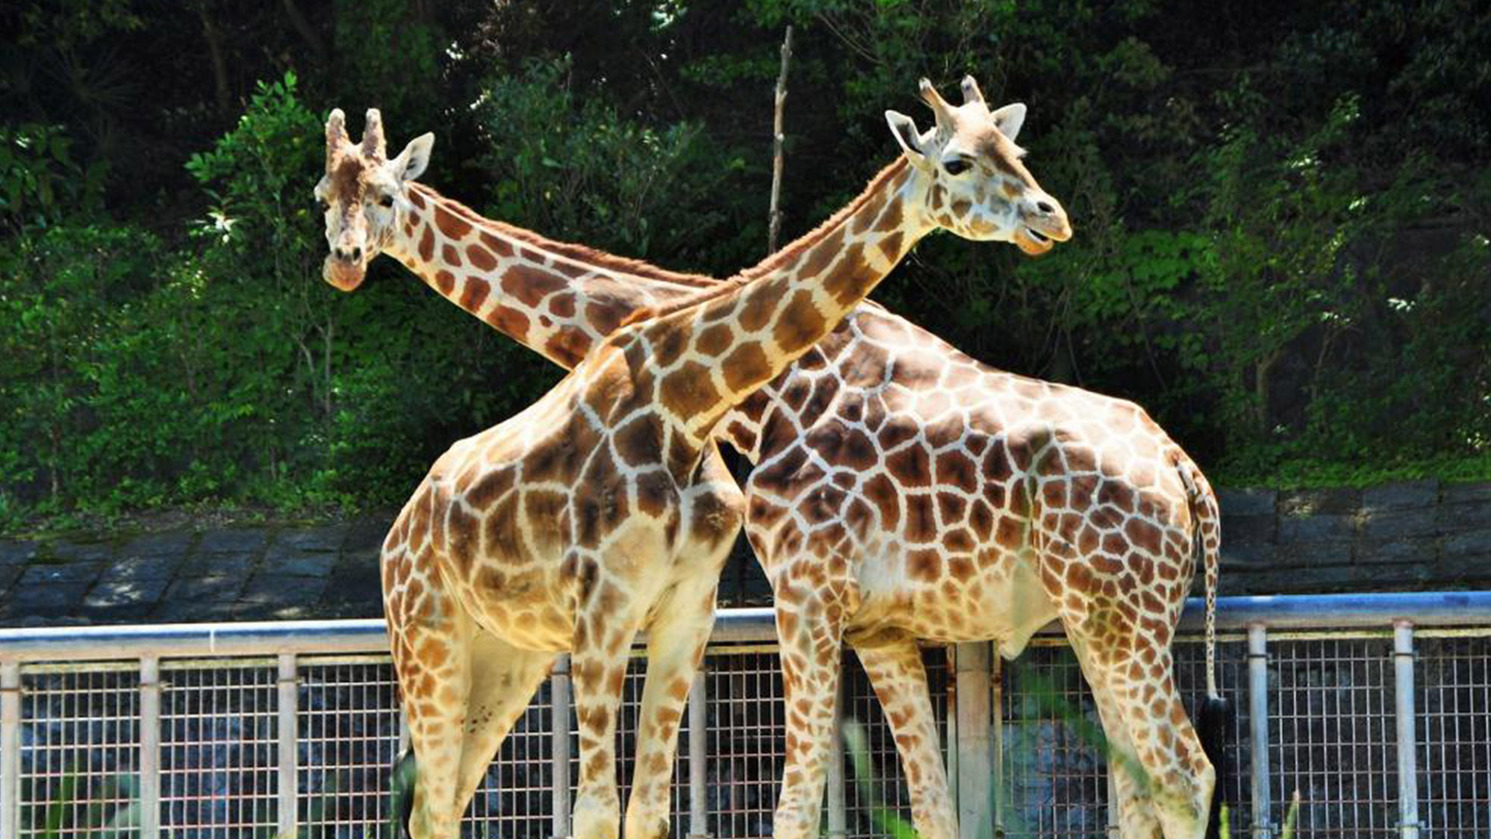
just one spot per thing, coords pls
(974, 715)
(1115, 828)
(698, 756)
(149, 747)
(289, 734)
(838, 820)
(559, 690)
(1258, 719)
(1408, 789)
(10, 749)
(996, 717)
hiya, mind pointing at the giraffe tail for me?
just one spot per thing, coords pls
(1214, 718)
(401, 793)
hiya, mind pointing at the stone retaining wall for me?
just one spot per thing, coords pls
(1403, 536)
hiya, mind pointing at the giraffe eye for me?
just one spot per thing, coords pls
(957, 166)
(386, 201)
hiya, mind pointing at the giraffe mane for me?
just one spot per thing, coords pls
(571, 250)
(793, 251)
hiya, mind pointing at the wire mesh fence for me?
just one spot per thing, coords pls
(97, 754)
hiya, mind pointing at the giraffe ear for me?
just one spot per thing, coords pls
(412, 161)
(1009, 119)
(903, 128)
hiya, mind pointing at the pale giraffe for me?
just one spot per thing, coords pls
(534, 293)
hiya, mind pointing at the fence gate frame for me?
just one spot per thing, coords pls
(975, 732)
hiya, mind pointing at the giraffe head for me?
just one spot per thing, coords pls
(970, 173)
(364, 195)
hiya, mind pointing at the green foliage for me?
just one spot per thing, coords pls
(572, 167)
(1280, 220)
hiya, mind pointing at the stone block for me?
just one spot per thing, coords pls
(128, 598)
(1398, 551)
(237, 540)
(81, 551)
(1248, 554)
(1468, 546)
(172, 542)
(1401, 495)
(193, 611)
(1297, 555)
(1477, 493)
(147, 567)
(53, 600)
(365, 536)
(274, 588)
(71, 572)
(300, 540)
(1248, 529)
(18, 552)
(299, 565)
(1314, 502)
(1464, 515)
(218, 565)
(1400, 524)
(1247, 502)
(206, 589)
(1322, 527)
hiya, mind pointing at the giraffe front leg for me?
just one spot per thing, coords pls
(809, 631)
(598, 667)
(894, 665)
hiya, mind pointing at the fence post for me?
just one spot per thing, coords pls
(973, 683)
(996, 720)
(698, 757)
(1258, 723)
(10, 749)
(559, 731)
(149, 747)
(837, 817)
(1408, 789)
(289, 734)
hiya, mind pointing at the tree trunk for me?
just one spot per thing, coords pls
(775, 227)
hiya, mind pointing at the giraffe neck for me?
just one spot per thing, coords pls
(557, 299)
(712, 353)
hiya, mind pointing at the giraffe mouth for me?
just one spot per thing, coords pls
(1033, 242)
(343, 274)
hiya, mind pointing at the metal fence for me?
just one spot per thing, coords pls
(1376, 709)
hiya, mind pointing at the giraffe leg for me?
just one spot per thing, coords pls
(675, 646)
(895, 669)
(1136, 814)
(434, 678)
(810, 633)
(503, 681)
(598, 666)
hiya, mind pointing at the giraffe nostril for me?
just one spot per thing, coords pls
(357, 254)
(1045, 207)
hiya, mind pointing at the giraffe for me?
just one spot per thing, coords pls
(906, 357)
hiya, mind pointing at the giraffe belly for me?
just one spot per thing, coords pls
(1003, 602)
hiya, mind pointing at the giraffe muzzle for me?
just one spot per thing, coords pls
(343, 274)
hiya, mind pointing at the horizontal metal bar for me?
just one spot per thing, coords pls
(348, 637)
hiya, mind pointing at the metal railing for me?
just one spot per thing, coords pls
(1377, 709)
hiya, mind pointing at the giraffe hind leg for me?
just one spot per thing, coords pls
(503, 681)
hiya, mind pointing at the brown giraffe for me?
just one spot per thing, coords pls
(536, 290)
(559, 529)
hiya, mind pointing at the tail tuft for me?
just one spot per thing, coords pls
(401, 792)
(1214, 721)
